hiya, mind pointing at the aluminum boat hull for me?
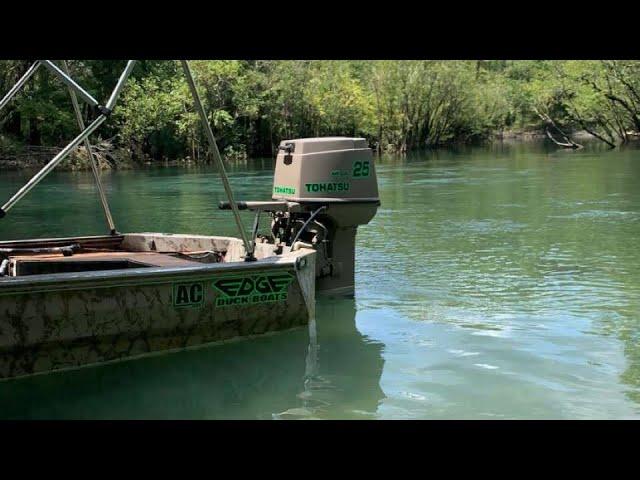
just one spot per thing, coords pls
(67, 320)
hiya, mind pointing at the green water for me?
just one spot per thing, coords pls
(500, 282)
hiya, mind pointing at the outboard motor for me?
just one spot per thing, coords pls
(334, 182)
(323, 189)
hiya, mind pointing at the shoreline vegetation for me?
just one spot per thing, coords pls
(398, 106)
(34, 158)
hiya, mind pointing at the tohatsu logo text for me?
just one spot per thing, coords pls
(327, 187)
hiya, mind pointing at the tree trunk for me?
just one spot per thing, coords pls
(576, 117)
(568, 143)
(561, 144)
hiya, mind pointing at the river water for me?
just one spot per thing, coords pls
(498, 282)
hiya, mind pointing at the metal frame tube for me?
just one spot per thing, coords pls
(121, 81)
(76, 141)
(82, 137)
(254, 231)
(52, 163)
(32, 69)
(218, 159)
(92, 160)
(70, 82)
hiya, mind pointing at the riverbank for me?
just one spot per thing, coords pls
(110, 158)
(34, 158)
(79, 162)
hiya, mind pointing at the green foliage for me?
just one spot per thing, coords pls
(600, 97)
(151, 117)
(399, 105)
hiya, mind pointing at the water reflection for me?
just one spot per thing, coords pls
(328, 371)
(343, 367)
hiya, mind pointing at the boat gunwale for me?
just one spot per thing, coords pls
(130, 276)
(151, 275)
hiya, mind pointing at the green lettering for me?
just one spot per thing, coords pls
(188, 294)
(182, 295)
(284, 190)
(195, 293)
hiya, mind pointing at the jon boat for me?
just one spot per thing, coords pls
(69, 302)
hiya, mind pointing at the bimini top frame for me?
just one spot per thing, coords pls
(76, 91)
